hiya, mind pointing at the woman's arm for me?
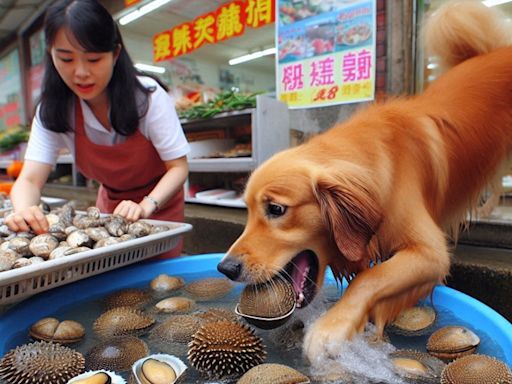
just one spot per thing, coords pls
(25, 196)
(167, 187)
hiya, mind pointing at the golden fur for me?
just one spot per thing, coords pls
(375, 196)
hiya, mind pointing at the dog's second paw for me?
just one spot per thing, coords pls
(325, 337)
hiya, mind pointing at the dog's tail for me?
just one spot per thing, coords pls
(461, 29)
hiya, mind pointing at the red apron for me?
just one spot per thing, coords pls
(127, 171)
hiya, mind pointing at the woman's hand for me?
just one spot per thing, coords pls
(27, 219)
(131, 211)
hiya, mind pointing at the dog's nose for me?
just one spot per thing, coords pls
(230, 267)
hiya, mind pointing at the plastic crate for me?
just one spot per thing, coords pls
(17, 284)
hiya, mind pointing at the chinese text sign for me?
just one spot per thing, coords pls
(326, 53)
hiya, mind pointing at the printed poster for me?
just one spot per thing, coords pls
(326, 52)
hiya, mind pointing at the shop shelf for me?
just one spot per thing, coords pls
(17, 284)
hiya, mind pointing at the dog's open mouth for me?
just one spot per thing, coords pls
(303, 273)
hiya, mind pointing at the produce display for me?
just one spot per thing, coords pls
(223, 102)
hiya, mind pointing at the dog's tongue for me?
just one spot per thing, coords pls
(300, 271)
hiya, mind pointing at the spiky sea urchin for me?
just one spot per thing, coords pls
(41, 362)
(225, 349)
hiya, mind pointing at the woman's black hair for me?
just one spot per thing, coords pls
(96, 31)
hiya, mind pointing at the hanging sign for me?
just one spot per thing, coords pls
(326, 52)
(227, 21)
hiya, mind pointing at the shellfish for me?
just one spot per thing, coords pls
(414, 321)
(269, 373)
(97, 377)
(63, 332)
(116, 354)
(267, 305)
(158, 369)
(225, 349)
(129, 297)
(41, 362)
(43, 245)
(122, 321)
(452, 342)
(175, 304)
(417, 367)
(209, 288)
(163, 283)
(476, 369)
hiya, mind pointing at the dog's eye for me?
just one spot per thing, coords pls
(275, 210)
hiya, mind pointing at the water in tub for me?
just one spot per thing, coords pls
(368, 361)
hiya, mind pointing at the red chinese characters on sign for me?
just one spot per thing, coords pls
(229, 20)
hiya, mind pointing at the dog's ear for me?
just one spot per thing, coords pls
(350, 212)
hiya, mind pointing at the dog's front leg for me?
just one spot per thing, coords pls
(378, 293)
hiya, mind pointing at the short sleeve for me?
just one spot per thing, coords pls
(44, 145)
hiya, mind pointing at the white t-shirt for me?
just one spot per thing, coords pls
(160, 125)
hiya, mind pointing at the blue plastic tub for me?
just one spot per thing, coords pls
(19, 318)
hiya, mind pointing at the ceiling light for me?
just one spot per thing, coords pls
(141, 11)
(149, 68)
(492, 3)
(252, 56)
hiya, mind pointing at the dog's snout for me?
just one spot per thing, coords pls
(230, 267)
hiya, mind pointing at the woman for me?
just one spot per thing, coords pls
(121, 127)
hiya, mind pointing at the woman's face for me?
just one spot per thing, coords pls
(87, 74)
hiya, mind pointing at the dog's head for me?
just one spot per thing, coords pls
(303, 215)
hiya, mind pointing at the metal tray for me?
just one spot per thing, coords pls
(17, 284)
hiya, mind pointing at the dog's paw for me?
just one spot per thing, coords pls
(324, 338)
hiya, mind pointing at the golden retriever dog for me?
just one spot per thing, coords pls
(376, 198)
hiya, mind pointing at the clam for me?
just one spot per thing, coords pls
(35, 259)
(129, 297)
(93, 212)
(216, 314)
(63, 332)
(58, 230)
(158, 369)
(72, 250)
(175, 304)
(165, 282)
(209, 288)
(476, 369)
(59, 252)
(7, 259)
(452, 342)
(21, 262)
(414, 321)
(417, 367)
(43, 245)
(176, 329)
(116, 226)
(122, 321)
(107, 241)
(159, 228)
(97, 233)
(269, 373)
(79, 238)
(267, 305)
(20, 245)
(53, 219)
(127, 236)
(139, 228)
(69, 230)
(97, 377)
(116, 354)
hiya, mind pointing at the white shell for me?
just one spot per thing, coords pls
(116, 379)
(176, 364)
